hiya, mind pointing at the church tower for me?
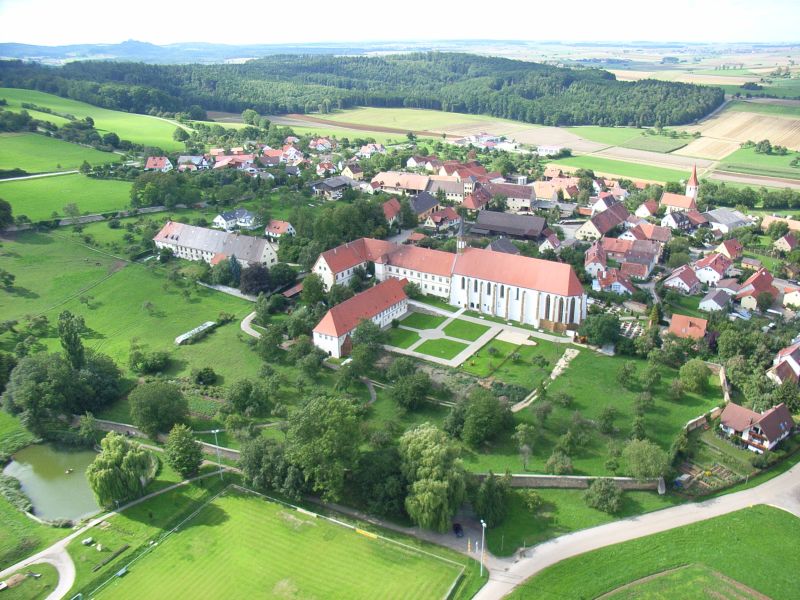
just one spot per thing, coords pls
(461, 242)
(692, 185)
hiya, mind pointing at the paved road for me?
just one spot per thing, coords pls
(40, 175)
(506, 574)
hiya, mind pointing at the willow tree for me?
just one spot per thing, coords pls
(121, 471)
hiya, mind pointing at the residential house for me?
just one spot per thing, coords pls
(477, 200)
(729, 285)
(367, 150)
(640, 252)
(647, 231)
(503, 245)
(647, 209)
(391, 210)
(453, 190)
(604, 201)
(523, 227)
(158, 163)
(760, 432)
(212, 246)
(276, 229)
(786, 365)
(443, 219)
(791, 297)
(292, 171)
(325, 168)
(758, 283)
(423, 162)
(423, 204)
(793, 224)
(612, 280)
(602, 223)
(381, 304)
(353, 171)
(240, 218)
(551, 242)
(683, 279)
(192, 163)
(732, 248)
(398, 182)
(785, 244)
(726, 220)
(715, 300)
(595, 260)
(518, 197)
(684, 326)
(332, 188)
(321, 144)
(751, 264)
(712, 267)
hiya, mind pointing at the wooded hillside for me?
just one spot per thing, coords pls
(500, 87)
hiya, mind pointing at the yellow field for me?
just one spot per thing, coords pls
(742, 126)
(709, 148)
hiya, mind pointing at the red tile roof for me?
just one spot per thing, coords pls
(277, 226)
(595, 254)
(344, 317)
(717, 262)
(678, 201)
(424, 260)
(685, 274)
(156, 162)
(758, 283)
(790, 240)
(733, 247)
(612, 276)
(738, 417)
(776, 421)
(688, 327)
(391, 208)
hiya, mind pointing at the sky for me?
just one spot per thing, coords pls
(58, 22)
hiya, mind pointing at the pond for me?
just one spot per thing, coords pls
(54, 478)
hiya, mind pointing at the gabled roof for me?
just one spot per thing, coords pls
(509, 224)
(651, 206)
(246, 248)
(732, 247)
(776, 422)
(789, 239)
(278, 227)
(344, 317)
(695, 218)
(510, 190)
(595, 254)
(719, 263)
(391, 208)
(610, 218)
(503, 245)
(684, 326)
(719, 297)
(738, 417)
(678, 201)
(425, 260)
(156, 162)
(423, 202)
(733, 219)
(447, 214)
(399, 180)
(758, 283)
(686, 275)
(612, 276)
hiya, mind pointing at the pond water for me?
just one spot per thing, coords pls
(54, 478)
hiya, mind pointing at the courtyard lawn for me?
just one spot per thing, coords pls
(465, 330)
(141, 129)
(276, 546)
(562, 511)
(484, 362)
(718, 545)
(40, 199)
(418, 320)
(622, 168)
(590, 379)
(32, 588)
(437, 302)
(401, 338)
(747, 160)
(512, 364)
(441, 348)
(38, 153)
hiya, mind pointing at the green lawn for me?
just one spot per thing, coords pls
(465, 330)
(38, 153)
(656, 143)
(684, 582)
(764, 109)
(591, 380)
(747, 160)
(32, 588)
(496, 360)
(623, 169)
(13, 436)
(687, 305)
(276, 547)
(402, 338)
(418, 320)
(613, 136)
(141, 129)
(385, 410)
(780, 88)
(723, 544)
(440, 303)
(441, 348)
(563, 511)
(38, 199)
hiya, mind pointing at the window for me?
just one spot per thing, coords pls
(475, 285)
(517, 293)
(502, 291)
(463, 283)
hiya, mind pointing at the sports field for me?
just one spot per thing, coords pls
(141, 129)
(39, 198)
(618, 168)
(718, 551)
(242, 546)
(41, 154)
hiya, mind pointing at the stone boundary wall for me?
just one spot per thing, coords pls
(577, 482)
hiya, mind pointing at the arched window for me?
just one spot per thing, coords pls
(547, 307)
(502, 291)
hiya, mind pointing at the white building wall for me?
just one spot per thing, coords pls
(708, 276)
(329, 344)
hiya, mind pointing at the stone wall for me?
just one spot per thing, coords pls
(577, 482)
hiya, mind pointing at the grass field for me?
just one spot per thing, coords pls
(613, 136)
(495, 360)
(721, 544)
(283, 553)
(591, 381)
(13, 435)
(38, 199)
(417, 320)
(141, 129)
(386, 139)
(621, 168)
(39, 154)
(441, 348)
(747, 160)
(685, 582)
(401, 338)
(562, 511)
(32, 588)
(687, 305)
(764, 108)
(656, 143)
(465, 330)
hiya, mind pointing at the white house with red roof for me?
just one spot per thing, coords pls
(367, 150)
(276, 229)
(786, 365)
(443, 219)
(677, 202)
(380, 304)
(758, 283)
(732, 248)
(551, 242)
(325, 168)
(712, 268)
(158, 163)
(759, 431)
(391, 210)
(595, 260)
(613, 280)
(647, 209)
(683, 280)
(785, 244)
(684, 326)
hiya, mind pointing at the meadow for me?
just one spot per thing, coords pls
(140, 129)
(716, 546)
(765, 108)
(39, 199)
(33, 588)
(412, 118)
(275, 547)
(612, 136)
(747, 160)
(36, 153)
(618, 168)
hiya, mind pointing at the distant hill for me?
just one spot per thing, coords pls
(467, 83)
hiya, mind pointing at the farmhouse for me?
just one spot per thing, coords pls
(158, 163)
(444, 219)
(538, 292)
(600, 224)
(380, 304)
(209, 245)
(785, 244)
(732, 248)
(726, 220)
(759, 432)
(239, 218)
(398, 182)
(687, 327)
(276, 229)
(477, 200)
(786, 365)
(452, 190)
(758, 283)
(523, 227)
(647, 231)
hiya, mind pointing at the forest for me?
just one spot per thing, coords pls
(524, 91)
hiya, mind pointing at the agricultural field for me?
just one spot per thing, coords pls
(588, 379)
(36, 153)
(782, 108)
(610, 136)
(747, 160)
(141, 129)
(40, 199)
(274, 545)
(633, 569)
(618, 168)
(709, 148)
(740, 126)
(656, 143)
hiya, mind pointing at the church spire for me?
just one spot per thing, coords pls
(693, 184)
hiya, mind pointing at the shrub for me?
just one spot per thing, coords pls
(204, 376)
(604, 495)
(532, 500)
(558, 464)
